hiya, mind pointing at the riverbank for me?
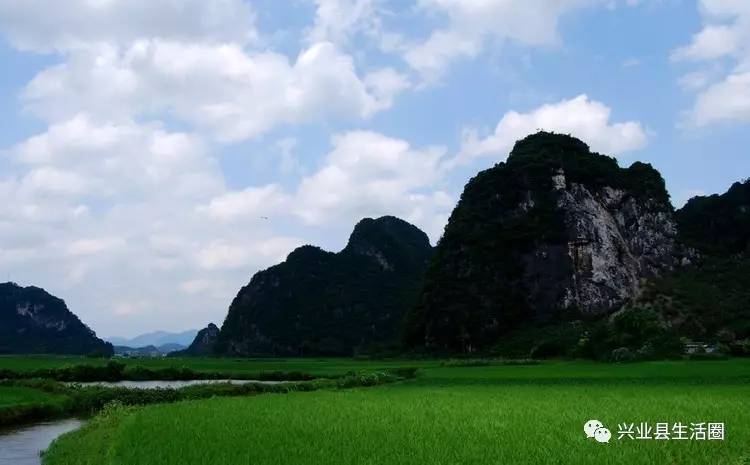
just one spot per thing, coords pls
(38, 399)
(472, 415)
(24, 445)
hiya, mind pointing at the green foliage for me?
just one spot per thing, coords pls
(479, 362)
(475, 290)
(718, 224)
(707, 301)
(449, 415)
(45, 399)
(270, 369)
(117, 371)
(332, 304)
(22, 404)
(62, 333)
(203, 344)
(622, 355)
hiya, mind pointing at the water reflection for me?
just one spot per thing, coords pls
(171, 384)
(23, 446)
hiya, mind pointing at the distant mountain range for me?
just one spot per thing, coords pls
(156, 339)
(556, 252)
(148, 351)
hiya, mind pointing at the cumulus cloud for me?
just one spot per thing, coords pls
(471, 24)
(338, 20)
(196, 61)
(41, 25)
(102, 212)
(724, 36)
(222, 88)
(727, 100)
(222, 254)
(251, 202)
(110, 201)
(366, 174)
(116, 161)
(369, 174)
(124, 215)
(585, 118)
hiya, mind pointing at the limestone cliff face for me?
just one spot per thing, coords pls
(614, 240)
(324, 303)
(33, 321)
(556, 230)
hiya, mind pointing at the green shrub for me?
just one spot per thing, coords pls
(622, 355)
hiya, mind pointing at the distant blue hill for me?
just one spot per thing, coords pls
(156, 338)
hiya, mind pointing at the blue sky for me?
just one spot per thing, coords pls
(143, 143)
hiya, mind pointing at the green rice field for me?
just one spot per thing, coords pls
(492, 414)
(316, 367)
(17, 396)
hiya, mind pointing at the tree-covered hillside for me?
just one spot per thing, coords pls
(556, 230)
(33, 321)
(324, 303)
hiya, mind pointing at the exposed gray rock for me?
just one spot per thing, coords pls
(614, 242)
(33, 321)
(554, 232)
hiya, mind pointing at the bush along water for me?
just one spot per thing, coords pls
(88, 400)
(118, 371)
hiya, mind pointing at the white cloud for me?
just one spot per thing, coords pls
(711, 42)
(727, 100)
(385, 84)
(369, 174)
(250, 203)
(289, 163)
(230, 92)
(222, 255)
(366, 174)
(42, 25)
(472, 23)
(117, 161)
(108, 202)
(131, 308)
(94, 245)
(102, 212)
(696, 80)
(582, 117)
(338, 20)
(54, 181)
(725, 36)
(196, 61)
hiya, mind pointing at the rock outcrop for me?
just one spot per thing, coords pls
(554, 231)
(323, 303)
(203, 344)
(34, 322)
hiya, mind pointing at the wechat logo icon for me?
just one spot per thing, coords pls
(595, 429)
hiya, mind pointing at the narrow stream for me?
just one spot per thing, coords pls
(170, 384)
(23, 445)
